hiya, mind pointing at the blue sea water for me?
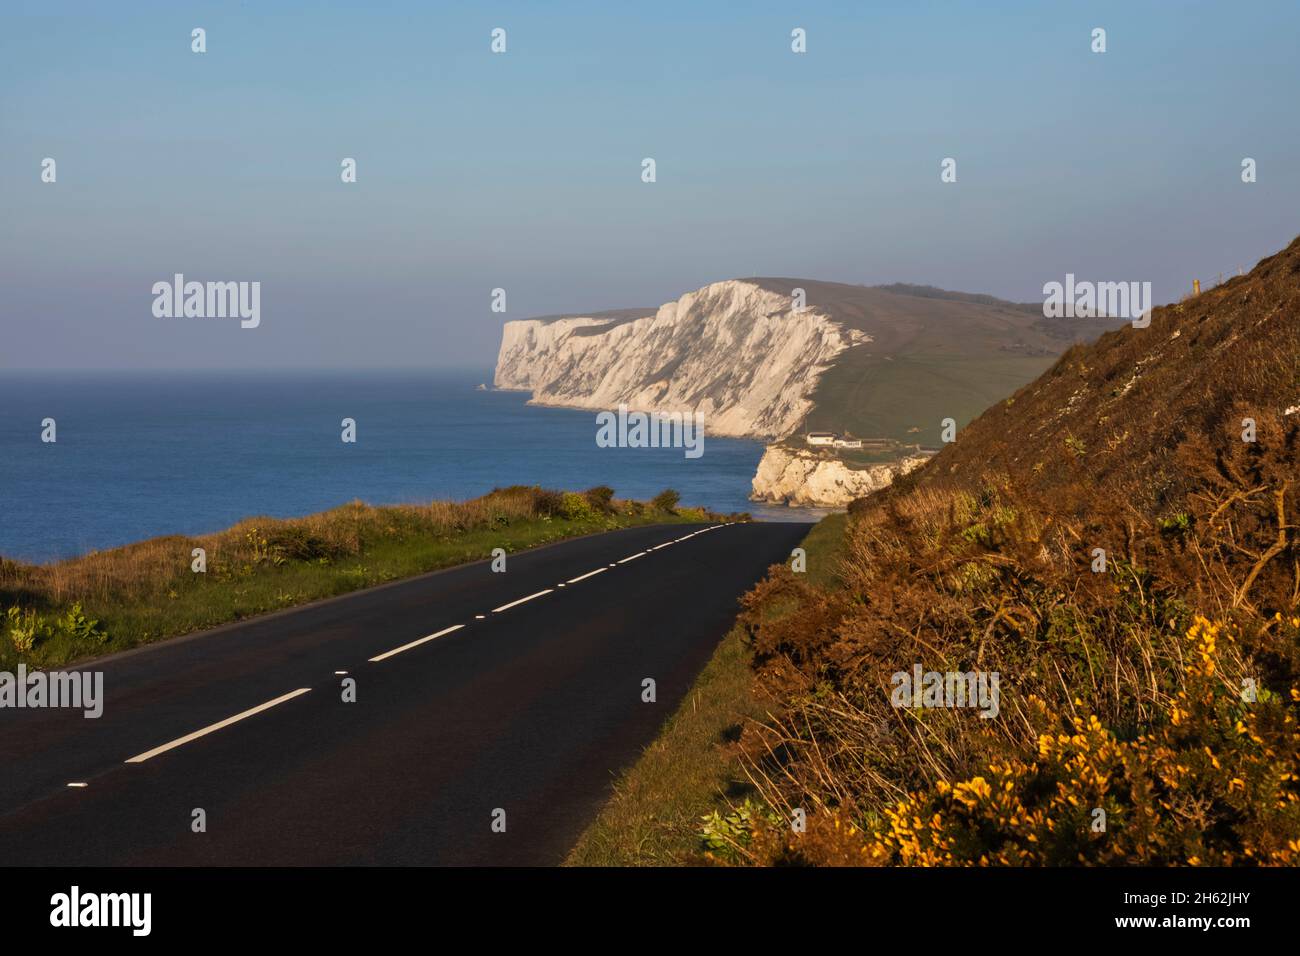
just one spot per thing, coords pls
(146, 454)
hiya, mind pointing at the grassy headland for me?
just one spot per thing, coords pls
(55, 614)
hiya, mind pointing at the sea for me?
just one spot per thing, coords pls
(142, 454)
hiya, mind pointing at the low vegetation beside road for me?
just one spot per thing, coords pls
(54, 614)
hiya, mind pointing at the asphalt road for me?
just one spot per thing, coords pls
(528, 707)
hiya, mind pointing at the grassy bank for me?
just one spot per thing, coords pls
(691, 771)
(55, 614)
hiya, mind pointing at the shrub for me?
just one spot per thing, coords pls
(600, 497)
(1122, 691)
(666, 500)
(298, 543)
(1213, 783)
(548, 504)
(576, 507)
(26, 628)
(76, 625)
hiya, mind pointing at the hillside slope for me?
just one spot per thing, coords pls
(1112, 546)
(1123, 412)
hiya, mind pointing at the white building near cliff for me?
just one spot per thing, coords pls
(821, 438)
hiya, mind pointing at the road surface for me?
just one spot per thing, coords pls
(480, 697)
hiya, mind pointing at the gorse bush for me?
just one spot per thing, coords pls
(576, 507)
(1127, 563)
(1117, 696)
(1213, 783)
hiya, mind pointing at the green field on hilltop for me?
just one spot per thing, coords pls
(907, 397)
(923, 355)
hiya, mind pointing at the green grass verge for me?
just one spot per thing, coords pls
(654, 816)
(190, 602)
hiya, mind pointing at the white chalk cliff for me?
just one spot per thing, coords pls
(733, 350)
(800, 477)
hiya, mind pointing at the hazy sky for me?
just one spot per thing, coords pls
(523, 170)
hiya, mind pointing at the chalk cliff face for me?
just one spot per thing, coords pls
(804, 478)
(733, 350)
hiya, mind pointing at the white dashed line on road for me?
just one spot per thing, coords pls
(583, 577)
(506, 607)
(141, 758)
(423, 640)
(631, 557)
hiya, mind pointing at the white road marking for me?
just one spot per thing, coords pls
(141, 758)
(632, 557)
(338, 673)
(559, 585)
(664, 545)
(583, 577)
(423, 640)
(78, 785)
(506, 607)
(479, 617)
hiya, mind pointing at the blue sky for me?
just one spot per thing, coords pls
(522, 170)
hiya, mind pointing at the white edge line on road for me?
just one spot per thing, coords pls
(506, 607)
(583, 577)
(141, 758)
(417, 643)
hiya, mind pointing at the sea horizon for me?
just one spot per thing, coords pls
(142, 453)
